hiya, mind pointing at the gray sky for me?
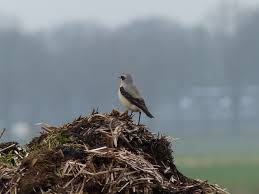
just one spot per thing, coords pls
(36, 14)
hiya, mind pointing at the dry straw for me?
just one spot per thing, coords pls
(101, 153)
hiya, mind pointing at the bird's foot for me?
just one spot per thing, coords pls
(131, 115)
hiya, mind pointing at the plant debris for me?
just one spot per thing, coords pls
(101, 153)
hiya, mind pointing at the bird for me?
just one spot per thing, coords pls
(130, 97)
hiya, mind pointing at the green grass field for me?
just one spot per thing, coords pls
(236, 167)
(237, 178)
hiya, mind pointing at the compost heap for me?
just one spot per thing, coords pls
(100, 153)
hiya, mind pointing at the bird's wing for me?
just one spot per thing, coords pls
(139, 102)
(133, 90)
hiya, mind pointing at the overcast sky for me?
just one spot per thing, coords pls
(37, 14)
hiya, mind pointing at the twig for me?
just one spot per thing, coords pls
(2, 133)
(7, 147)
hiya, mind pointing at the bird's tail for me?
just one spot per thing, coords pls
(146, 111)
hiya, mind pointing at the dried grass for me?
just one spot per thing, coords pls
(102, 153)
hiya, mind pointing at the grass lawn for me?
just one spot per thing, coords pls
(237, 178)
(231, 163)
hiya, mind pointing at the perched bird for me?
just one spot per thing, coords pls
(130, 97)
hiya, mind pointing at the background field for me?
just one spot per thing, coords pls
(232, 162)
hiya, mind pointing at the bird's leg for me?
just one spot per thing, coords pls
(131, 114)
(139, 117)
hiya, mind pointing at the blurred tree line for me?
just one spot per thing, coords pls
(54, 75)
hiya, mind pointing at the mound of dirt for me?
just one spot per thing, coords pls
(101, 153)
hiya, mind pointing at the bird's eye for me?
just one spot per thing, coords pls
(123, 77)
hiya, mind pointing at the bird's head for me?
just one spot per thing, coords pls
(126, 78)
